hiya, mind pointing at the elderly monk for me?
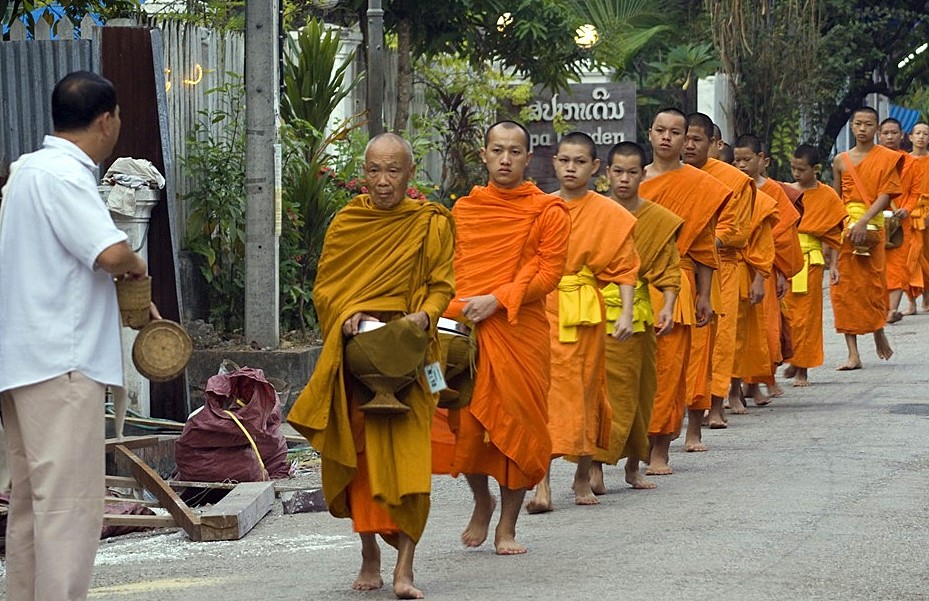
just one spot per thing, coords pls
(512, 243)
(788, 260)
(601, 251)
(867, 177)
(631, 369)
(820, 233)
(903, 270)
(919, 138)
(715, 345)
(385, 257)
(696, 197)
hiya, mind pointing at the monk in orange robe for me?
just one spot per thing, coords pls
(601, 251)
(820, 232)
(715, 345)
(788, 260)
(511, 249)
(919, 138)
(867, 177)
(385, 257)
(903, 272)
(696, 197)
(631, 369)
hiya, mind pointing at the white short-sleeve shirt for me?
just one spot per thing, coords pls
(58, 312)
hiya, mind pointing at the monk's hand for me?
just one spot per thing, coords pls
(350, 327)
(858, 233)
(479, 308)
(623, 328)
(833, 276)
(901, 213)
(756, 294)
(704, 310)
(664, 322)
(781, 285)
(153, 312)
(420, 318)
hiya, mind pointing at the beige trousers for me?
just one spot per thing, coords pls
(54, 434)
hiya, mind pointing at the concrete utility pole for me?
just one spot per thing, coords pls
(375, 74)
(262, 173)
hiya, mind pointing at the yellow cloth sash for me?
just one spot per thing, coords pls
(642, 313)
(812, 248)
(578, 304)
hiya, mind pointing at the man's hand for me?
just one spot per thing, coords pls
(833, 275)
(781, 285)
(704, 311)
(623, 328)
(901, 213)
(350, 327)
(858, 233)
(756, 295)
(479, 308)
(665, 321)
(153, 313)
(420, 318)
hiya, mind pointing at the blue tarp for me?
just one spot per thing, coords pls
(907, 117)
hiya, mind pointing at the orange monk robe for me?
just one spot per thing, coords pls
(715, 344)
(601, 251)
(859, 300)
(696, 197)
(903, 271)
(631, 368)
(918, 220)
(822, 222)
(788, 260)
(376, 469)
(753, 357)
(512, 244)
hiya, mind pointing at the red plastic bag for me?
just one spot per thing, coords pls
(213, 446)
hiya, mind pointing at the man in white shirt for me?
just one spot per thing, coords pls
(59, 342)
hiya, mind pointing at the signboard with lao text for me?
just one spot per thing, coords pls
(604, 111)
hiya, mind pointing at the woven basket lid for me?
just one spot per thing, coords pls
(161, 350)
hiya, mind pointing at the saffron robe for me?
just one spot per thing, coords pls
(376, 469)
(823, 218)
(918, 221)
(511, 243)
(696, 197)
(903, 270)
(859, 300)
(601, 250)
(753, 356)
(732, 230)
(631, 368)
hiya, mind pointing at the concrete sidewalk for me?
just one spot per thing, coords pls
(824, 494)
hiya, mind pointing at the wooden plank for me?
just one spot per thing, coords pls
(238, 512)
(278, 487)
(144, 502)
(153, 483)
(122, 482)
(131, 442)
(165, 424)
(147, 521)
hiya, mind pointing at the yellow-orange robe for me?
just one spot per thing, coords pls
(511, 243)
(631, 369)
(918, 222)
(903, 271)
(376, 469)
(859, 300)
(601, 250)
(716, 342)
(753, 357)
(822, 222)
(696, 197)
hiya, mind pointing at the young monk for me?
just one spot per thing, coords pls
(867, 177)
(696, 197)
(511, 249)
(631, 371)
(788, 259)
(385, 257)
(717, 348)
(820, 233)
(919, 138)
(903, 271)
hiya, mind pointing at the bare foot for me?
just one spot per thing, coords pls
(882, 345)
(583, 495)
(476, 532)
(736, 406)
(790, 371)
(541, 501)
(911, 307)
(761, 399)
(369, 577)
(774, 391)
(404, 589)
(637, 481)
(849, 365)
(695, 447)
(507, 545)
(654, 469)
(596, 478)
(801, 382)
(894, 316)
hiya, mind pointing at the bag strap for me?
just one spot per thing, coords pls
(251, 441)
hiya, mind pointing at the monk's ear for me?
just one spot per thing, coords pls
(484, 155)
(596, 165)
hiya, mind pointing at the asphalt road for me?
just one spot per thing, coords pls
(824, 494)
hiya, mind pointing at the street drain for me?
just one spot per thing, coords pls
(910, 409)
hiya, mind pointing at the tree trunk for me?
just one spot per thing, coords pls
(404, 74)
